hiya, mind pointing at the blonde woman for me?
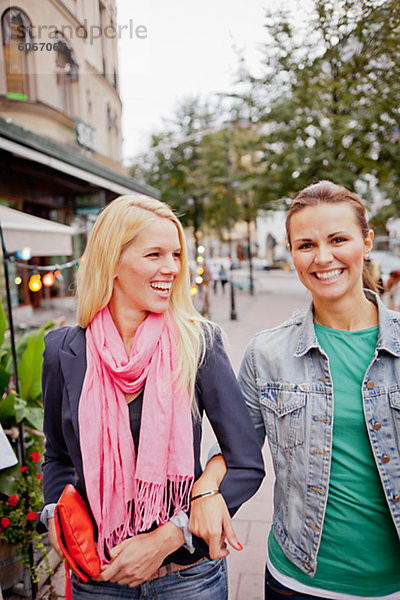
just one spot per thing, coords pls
(124, 393)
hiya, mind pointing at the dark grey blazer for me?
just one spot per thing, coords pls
(217, 393)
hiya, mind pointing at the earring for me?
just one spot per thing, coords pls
(367, 256)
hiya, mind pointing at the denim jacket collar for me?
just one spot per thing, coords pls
(388, 339)
(307, 338)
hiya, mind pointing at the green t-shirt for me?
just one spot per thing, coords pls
(360, 550)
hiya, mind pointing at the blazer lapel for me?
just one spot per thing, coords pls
(73, 366)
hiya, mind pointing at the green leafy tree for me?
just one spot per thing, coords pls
(327, 100)
(198, 157)
(171, 164)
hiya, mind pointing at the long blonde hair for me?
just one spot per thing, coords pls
(115, 228)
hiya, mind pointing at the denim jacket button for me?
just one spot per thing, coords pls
(385, 458)
(376, 426)
(370, 385)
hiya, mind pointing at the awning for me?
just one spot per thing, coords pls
(45, 238)
(36, 148)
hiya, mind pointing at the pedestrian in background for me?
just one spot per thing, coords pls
(206, 284)
(214, 270)
(223, 277)
(123, 396)
(393, 288)
(324, 389)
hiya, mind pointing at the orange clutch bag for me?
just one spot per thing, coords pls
(75, 535)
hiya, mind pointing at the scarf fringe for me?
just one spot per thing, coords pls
(154, 503)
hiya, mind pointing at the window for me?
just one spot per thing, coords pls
(112, 119)
(67, 73)
(103, 25)
(16, 31)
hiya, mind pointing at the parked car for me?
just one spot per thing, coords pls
(266, 265)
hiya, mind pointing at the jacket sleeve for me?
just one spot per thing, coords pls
(219, 394)
(57, 466)
(247, 383)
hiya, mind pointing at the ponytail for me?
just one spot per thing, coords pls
(369, 281)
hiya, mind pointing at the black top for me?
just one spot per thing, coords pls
(135, 417)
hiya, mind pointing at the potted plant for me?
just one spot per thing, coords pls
(20, 485)
(20, 500)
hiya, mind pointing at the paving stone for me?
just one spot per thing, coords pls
(251, 587)
(233, 584)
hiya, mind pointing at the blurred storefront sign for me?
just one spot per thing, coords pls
(85, 135)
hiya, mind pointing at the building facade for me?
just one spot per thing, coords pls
(271, 236)
(60, 111)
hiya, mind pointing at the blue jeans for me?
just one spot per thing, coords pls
(206, 580)
(276, 591)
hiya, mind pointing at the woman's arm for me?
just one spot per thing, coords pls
(219, 394)
(58, 469)
(247, 383)
(223, 401)
(209, 515)
(57, 466)
(136, 559)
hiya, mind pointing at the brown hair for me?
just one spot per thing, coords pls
(328, 192)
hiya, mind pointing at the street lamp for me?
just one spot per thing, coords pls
(229, 224)
(24, 254)
(247, 207)
(241, 123)
(192, 202)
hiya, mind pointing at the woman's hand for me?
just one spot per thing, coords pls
(210, 520)
(209, 516)
(136, 559)
(53, 537)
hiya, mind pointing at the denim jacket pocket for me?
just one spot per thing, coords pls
(394, 401)
(283, 413)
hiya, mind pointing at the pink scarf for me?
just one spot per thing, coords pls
(128, 494)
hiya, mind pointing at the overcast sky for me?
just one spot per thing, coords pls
(189, 50)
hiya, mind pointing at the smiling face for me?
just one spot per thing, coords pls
(147, 269)
(328, 250)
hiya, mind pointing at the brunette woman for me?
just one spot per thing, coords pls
(324, 388)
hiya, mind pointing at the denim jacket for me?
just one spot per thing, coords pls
(287, 384)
